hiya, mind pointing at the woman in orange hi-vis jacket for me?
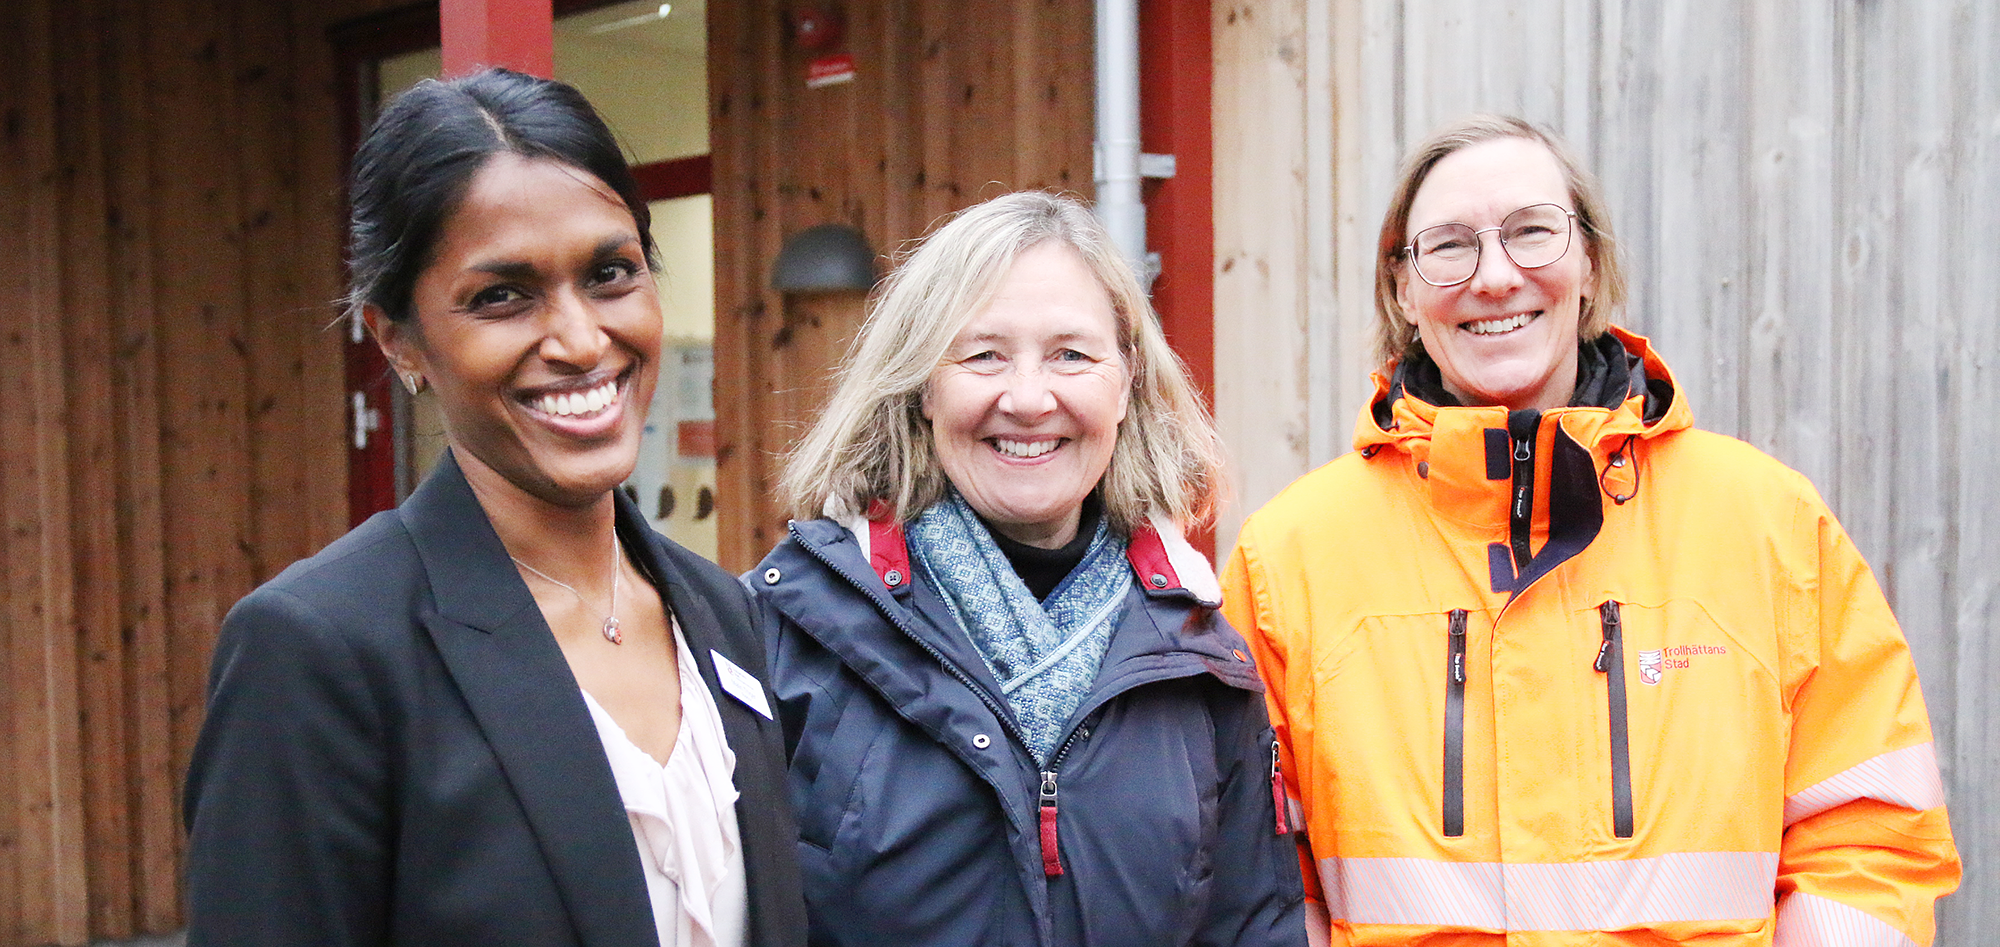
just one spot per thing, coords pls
(1549, 666)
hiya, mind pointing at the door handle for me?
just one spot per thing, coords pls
(366, 420)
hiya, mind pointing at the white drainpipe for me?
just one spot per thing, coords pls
(1117, 151)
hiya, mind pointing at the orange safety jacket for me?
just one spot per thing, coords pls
(1596, 672)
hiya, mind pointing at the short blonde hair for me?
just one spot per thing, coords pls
(874, 445)
(1395, 337)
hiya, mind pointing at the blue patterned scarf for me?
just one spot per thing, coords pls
(1044, 654)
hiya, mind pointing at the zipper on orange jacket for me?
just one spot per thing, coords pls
(1454, 728)
(1521, 428)
(1611, 663)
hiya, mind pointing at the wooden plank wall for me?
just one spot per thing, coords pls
(169, 207)
(952, 102)
(1806, 193)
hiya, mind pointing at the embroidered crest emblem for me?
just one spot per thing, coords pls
(1651, 666)
(1654, 665)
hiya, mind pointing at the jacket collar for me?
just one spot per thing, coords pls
(1585, 460)
(512, 674)
(1398, 419)
(1449, 447)
(1162, 560)
(866, 554)
(474, 582)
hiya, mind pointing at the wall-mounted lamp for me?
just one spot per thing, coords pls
(824, 258)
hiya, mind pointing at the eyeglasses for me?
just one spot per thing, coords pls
(1533, 237)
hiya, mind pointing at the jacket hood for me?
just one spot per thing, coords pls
(1579, 459)
(1397, 420)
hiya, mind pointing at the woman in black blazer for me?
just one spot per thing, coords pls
(410, 736)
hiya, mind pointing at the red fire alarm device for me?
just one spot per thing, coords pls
(815, 29)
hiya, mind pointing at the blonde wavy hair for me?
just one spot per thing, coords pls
(873, 444)
(1395, 337)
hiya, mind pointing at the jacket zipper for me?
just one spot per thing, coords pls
(1521, 427)
(1611, 663)
(1051, 851)
(1454, 728)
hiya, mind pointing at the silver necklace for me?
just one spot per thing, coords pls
(611, 632)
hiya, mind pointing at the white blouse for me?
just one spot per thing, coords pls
(683, 817)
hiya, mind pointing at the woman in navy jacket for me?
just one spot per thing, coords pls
(506, 712)
(1013, 713)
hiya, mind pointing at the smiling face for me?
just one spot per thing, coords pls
(538, 325)
(1507, 336)
(1025, 407)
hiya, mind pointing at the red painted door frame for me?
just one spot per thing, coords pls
(517, 34)
(1176, 73)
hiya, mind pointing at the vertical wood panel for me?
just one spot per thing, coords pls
(1911, 567)
(1261, 374)
(17, 552)
(141, 519)
(1972, 654)
(261, 34)
(201, 312)
(93, 470)
(1925, 314)
(309, 111)
(1865, 282)
(1623, 146)
(48, 832)
(1796, 325)
(737, 94)
(1361, 42)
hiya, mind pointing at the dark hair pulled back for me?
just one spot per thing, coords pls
(414, 166)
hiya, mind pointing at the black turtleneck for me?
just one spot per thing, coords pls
(1044, 569)
(1606, 375)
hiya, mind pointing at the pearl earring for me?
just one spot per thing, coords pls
(413, 381)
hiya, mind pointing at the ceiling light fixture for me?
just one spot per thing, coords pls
(643, 18)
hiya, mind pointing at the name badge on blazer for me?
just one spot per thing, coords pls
(740, 684)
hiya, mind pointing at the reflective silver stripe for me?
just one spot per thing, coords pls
(1414, 891)
(1570, 896)
(1806, 920)
(1907, 777)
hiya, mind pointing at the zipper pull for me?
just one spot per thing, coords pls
(1608, 613)
(1524, 451)
(1051, 857)
(1278, 792)
(1457, 645)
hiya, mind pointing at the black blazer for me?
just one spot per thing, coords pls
(396, 752)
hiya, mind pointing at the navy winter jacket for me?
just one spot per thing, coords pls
(920, 809)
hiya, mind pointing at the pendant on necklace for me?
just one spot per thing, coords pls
(611, 632)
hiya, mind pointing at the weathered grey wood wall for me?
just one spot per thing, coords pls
(1808, 194)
